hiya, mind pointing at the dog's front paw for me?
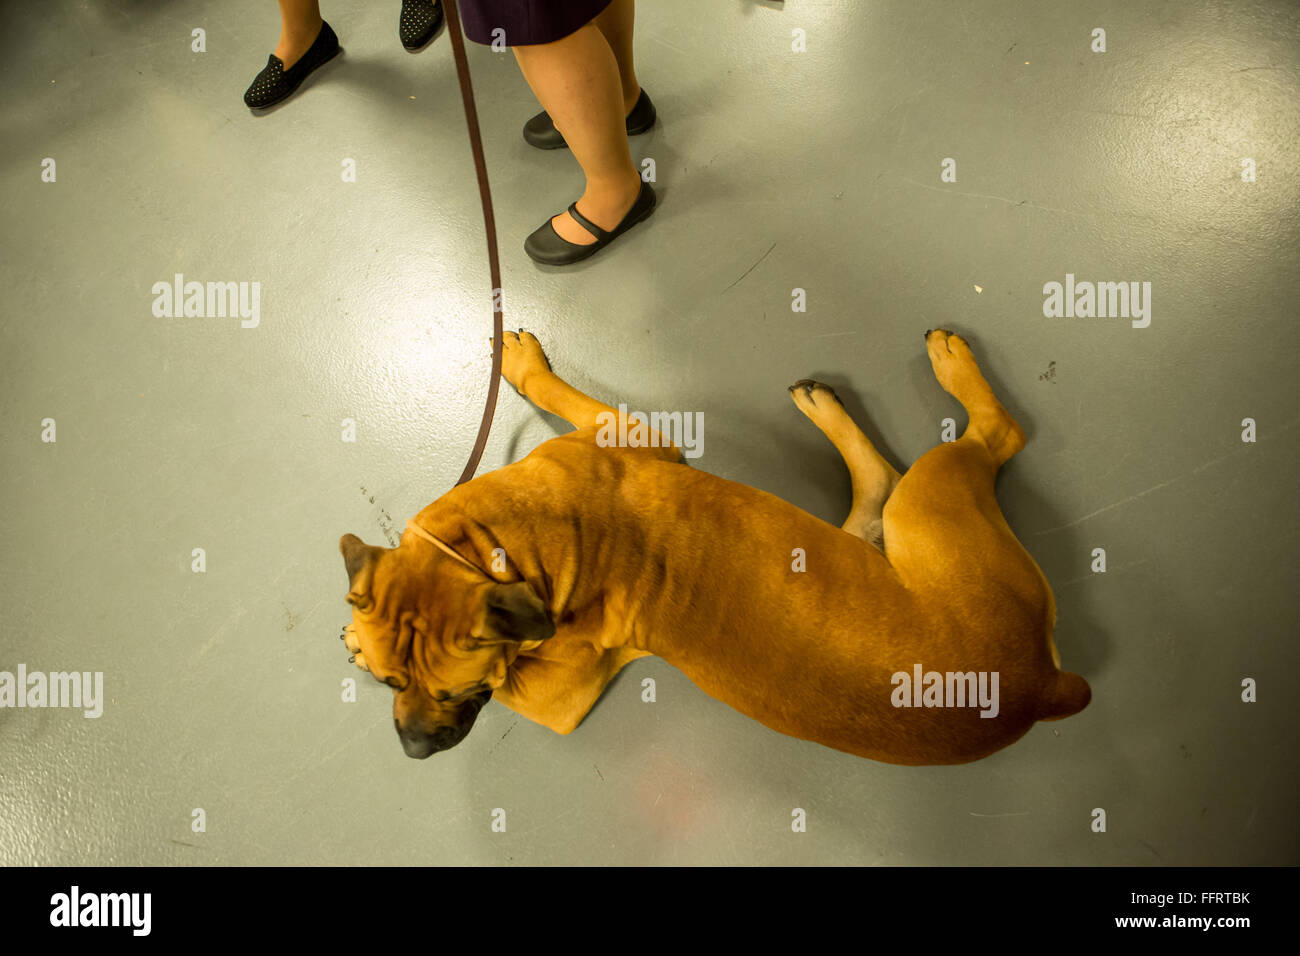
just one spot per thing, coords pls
(523, 356)
(354, 647)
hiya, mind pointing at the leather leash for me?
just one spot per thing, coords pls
(494, 267)
(489, 227)
(442, 545)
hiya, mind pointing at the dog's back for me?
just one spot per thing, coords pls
(807, 628)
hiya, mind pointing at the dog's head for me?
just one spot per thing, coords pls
(441, 634)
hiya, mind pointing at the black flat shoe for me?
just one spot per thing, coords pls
(548, 247)
(276, 84)
(541, 132)
(419, 23)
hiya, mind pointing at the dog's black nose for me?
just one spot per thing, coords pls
(421, 745)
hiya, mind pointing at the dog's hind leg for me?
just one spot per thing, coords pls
(990, 423)
(943, 522)
(872, 476)
(524, 366)
(948, 538)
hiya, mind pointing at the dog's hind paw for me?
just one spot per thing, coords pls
(808, 394)
(953, 362)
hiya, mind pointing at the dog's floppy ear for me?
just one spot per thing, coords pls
(513, 613)
(359, 558)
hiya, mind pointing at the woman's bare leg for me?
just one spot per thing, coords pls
(616, 22)
(578, 82)
(300, 24)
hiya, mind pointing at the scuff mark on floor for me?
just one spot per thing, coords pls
(1152, 849)
(504, 736)
(751, 268)
(1164, 484)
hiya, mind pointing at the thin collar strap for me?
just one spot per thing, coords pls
(420, 532)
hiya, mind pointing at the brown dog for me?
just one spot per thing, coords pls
(919, 633)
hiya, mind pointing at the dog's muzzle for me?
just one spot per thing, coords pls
(418, 744)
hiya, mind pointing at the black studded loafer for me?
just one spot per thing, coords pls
(548, 247)
(419, 23)
(275, 84)
(541, 132)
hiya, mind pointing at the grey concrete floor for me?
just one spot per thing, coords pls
(776, 170)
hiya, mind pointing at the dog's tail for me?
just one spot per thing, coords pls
(1066, 695)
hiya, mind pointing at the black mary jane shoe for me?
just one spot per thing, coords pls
(275, 84)
(419, 24)
(549, 248)
(541, 132)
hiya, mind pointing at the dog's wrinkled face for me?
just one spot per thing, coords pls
(442, 636)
